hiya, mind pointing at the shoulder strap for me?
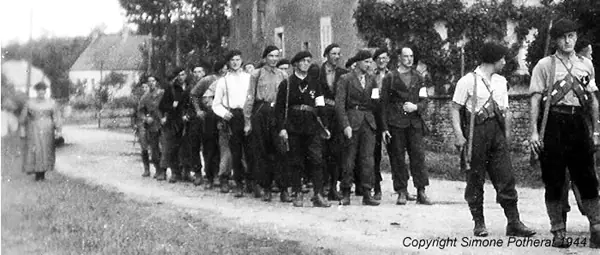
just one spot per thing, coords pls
(287, 100)
(548, 96)
(226, 91)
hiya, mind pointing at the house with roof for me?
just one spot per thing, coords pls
(120, 53)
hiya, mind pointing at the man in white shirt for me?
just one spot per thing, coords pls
(230, 96)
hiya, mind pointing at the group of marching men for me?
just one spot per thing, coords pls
(291, 125)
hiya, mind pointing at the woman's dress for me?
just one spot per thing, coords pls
(40, 122)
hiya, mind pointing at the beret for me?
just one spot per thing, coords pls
(283, 62)
(219, 65)
(378, 52)
(300, 55)
(350, 62)
(268, 50)
(329, 48)
(563, 26)
(176, 72)
(362, 55)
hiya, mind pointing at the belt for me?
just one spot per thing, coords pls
(566, 109)
(359, 107)
(303, 107)
(263, 102)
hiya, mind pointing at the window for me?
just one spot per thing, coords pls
(326, 33)
(305, 46)
(280, 40)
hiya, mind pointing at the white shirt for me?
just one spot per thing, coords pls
(231, 92)
(463, 93)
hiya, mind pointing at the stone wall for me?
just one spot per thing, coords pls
(441, 136)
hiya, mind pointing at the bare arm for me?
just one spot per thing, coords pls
(455, 115)
(534, 114)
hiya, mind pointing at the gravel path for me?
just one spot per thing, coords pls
(109, 159)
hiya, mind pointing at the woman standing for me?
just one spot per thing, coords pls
(39, 118)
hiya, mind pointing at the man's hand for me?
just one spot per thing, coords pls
(460, 142)
(535, 143)
(248, 129)
(283, 134)
(163, 120)
(228, 116)
(409, 107)
(386, 137)
(185, 118)
(348, 132)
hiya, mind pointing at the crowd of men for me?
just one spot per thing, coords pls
(288, 126)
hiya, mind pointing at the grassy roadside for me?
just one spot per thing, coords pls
(67, 216)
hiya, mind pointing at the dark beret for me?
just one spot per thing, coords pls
(300, 55)
(219, 65)
(283, 62)
(378, 52)
(329, 48)
(492, 52)
(350, 62)
(362, 55)
(231, 54)
(268, 50)
(176, 72)
(40, 85)
(563, 26)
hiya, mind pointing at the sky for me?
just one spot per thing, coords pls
(58, 18)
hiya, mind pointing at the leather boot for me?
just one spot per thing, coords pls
(198, 179)
(185, 175)
(299, 200)
(515, 227)
(358, 191)
(267, 196)
(146, 162)
(209, 185)
(319, 201)
(402, 197)
(377, 189)
(284, 196)
(258, 191)
(479, 229)
(239, 190)
(224, 185)
(334, 195)
(422, 197)
(368, 199)
(592, 209)
(162, 174)
(559, 239)
(175, 175)
(345, 197)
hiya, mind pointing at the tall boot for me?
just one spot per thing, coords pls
(422, 197)
(368, 199)
(146, 162)
(515, 227)
(162, 174)
(377, 189)
(556, 213)
(592, 209)
(345, 197)
(477, 212)
(318, 200)
(175, 175)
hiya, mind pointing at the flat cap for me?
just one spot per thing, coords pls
(300, 55)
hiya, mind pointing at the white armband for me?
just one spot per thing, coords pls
(320, 101)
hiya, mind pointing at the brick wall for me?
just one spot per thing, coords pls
(441, 136)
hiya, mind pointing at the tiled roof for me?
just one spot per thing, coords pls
(112, 52)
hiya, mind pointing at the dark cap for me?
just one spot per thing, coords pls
(563, 26)
(378, 52)
(329, 48)
(283, 62)
(268, 50)
(300, 55)
(362, 55)
(176, 72)
(231, 54)
(40, 85)
(492, 52)
(350, 62)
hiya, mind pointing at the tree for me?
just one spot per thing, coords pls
(184, 31)
(103, 92)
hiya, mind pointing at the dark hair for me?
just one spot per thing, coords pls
(219, 65)
(148, 77)
(231, 54)
(40, 85)
(248, 63)
(581, 44)
(492, 52)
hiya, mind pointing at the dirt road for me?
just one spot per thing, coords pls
(109, 159)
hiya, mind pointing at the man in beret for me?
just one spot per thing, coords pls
(298, 110)
(202, 105)
(231, 92)
(350, 64)
(329, 76)
(174, 107)
(404, 101)
(259, 123)
(485, 89)
(563, 85)
(284, 65)
(356, 116)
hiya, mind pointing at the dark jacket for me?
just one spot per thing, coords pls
(353, 104)
(327, 92)
(298, 121)
(148, 107)
(393, 96)
(175, 93)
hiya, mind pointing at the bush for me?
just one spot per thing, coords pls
(82, 103)
(123, 103)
